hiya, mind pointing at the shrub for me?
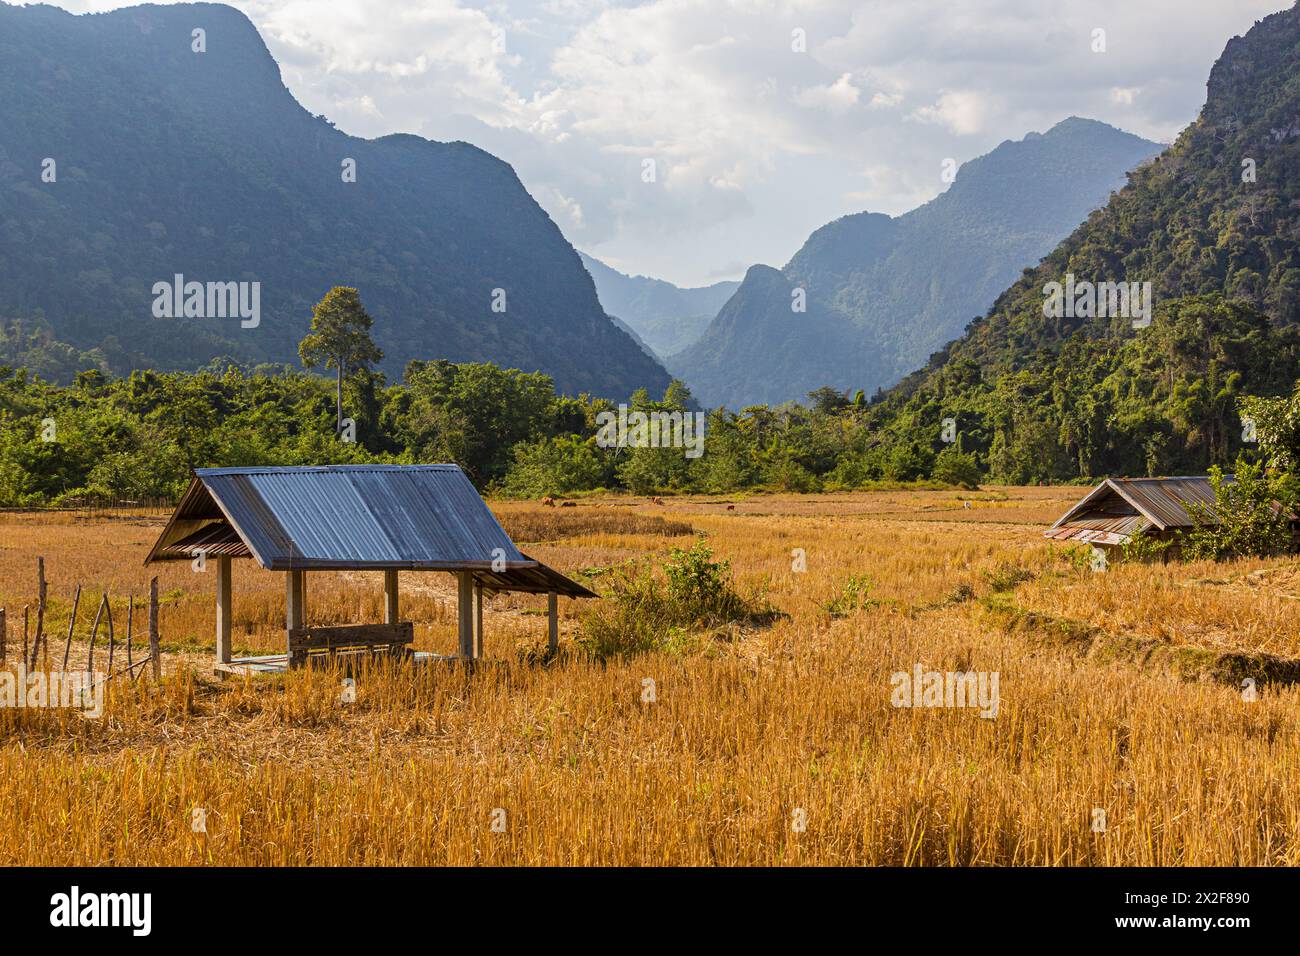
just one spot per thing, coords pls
(855, 595)
(646, 612)
(1251, 516)
(1142, 548)
(554, 466)
(956, 468)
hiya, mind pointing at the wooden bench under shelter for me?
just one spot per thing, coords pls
(353, 518)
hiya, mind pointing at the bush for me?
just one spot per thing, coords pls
(554, 466)
(1251, 516)
(956, 468)
(645, 612)
(855, 595)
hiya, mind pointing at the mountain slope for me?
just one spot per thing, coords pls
(667, 318)
(203, 164)
(889, 291)
(1041, 397)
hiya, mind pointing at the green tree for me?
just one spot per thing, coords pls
(340, 339)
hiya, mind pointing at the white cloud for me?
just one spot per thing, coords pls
(963, 112)
(836, 97)
(756, 144)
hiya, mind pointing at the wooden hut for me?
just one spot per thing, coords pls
(1122, 508)
(352, 518)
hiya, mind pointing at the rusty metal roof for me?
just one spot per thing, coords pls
(351, 517)
(1121, 507)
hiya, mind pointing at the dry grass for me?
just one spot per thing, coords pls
(740, 735)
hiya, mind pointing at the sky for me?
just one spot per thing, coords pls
(690, 139)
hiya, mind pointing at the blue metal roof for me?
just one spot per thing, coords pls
(349, 517)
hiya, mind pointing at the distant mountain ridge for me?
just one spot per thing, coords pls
(883, 293)
(666, 317)
(1213, 224)
(169, 161)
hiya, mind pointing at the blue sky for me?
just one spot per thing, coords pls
(757, 138)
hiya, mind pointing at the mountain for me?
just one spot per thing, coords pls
(202, 164)
(666, 317)
(1213, 224)
(882, 293)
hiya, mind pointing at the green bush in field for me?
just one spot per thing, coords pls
(646, 612)
(1251, 516)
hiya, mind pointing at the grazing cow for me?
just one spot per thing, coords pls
(731, 507)
(548, 501)
(656, 501)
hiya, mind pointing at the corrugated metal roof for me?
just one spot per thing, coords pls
(1110, 524)
(535, 580)
(217, 538)
(1089, 535)
(349, 517)
(1162, 501)
(1166, 499)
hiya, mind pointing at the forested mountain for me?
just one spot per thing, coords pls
(881, 293)
(167, 161)
(1214, 225)
(666, 317)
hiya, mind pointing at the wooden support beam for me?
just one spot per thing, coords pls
(294, 615)
(478, 619)
(552, 622)
(391, 615)
(465, 614)
(155, 648)
(223, 608)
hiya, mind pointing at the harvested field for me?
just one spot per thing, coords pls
(740, 733)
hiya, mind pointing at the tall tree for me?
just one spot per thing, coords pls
(340, 338)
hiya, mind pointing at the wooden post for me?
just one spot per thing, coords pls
(552, 623)
(223, 608)
(72, 623)
(465, 613)
(478, 619)
(391, 609)
(155, 652)
(4, 636)
(112, 635)
(293, 609)
(42, 591)
(99, 614)
(130, 613)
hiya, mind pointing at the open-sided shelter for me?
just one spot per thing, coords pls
(352, 518)
(1122, 508)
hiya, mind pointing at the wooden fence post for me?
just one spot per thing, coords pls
(94, 630)
(130, 613)
(41, 593)
(72, 622)
(112, 637)
(154, 652)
